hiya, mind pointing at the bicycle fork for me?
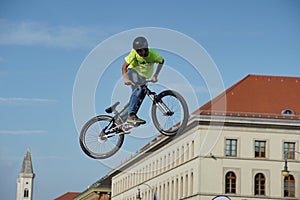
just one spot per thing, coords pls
(161, 105)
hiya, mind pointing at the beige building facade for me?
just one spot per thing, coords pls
(245, 162)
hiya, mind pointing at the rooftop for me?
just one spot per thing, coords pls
(68, 196)
(258, 96)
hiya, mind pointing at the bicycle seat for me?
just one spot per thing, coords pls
(112, 108)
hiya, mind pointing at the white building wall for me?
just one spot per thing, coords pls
(180, 170)
(172, 166)
(246, 166)
(24, 182)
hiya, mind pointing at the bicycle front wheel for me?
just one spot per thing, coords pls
(169, 113)
(94, 140)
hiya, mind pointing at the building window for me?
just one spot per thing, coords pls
(260, 182)
(192, 183)
(289, 150)
(187, 152)
(260, 149)
(181, 186)
(192, 149)
(231, 147)
(172, 189)
(26, 193)
(173, 158)
(289, 186)
(177, 156)
(186, 185)
(287, 112)
(230, 183)
(176, 188)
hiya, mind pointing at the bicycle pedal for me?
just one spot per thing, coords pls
(125, 132)
(135, 124)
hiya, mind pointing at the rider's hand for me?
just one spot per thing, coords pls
(154, 79)
(128, 82)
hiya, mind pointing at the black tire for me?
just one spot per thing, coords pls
(174, 122)
(93, 144)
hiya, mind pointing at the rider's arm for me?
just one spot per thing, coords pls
(127, 81)
(159, 66)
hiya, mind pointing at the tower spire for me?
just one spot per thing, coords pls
(27, 164)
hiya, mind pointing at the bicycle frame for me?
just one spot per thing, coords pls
(125, 126)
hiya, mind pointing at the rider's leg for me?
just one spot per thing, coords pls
(141, 97)
(132, 75)
(136, 99)
(137, 96)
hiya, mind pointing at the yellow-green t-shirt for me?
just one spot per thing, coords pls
(144, 66)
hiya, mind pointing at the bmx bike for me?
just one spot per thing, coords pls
(103, 135)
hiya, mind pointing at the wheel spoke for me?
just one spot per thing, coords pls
(170, 114)
(93, 144)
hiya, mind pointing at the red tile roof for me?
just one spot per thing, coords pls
(68, 196)
(257, 96)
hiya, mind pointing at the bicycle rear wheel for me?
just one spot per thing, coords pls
(93, 137)
(169, 113)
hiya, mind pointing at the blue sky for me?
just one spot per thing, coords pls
(44, 43)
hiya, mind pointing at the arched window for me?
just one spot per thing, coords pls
(287, 112)
(289, 186)
(230, 183)
(26, 193)
(259, 184)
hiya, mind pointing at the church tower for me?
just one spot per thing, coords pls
(25, 179)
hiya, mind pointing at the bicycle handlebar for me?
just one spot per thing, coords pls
(149, 81)
(144, 83)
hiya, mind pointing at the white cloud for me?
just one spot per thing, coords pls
(25, 100)
(32, 33)
(21, 132)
